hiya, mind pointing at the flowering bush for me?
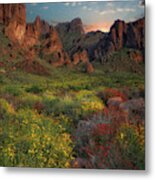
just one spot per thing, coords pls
(30, 139)
(107, 140)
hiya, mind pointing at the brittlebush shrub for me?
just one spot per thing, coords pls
(6, 110)
(31, 140)
(131, 141)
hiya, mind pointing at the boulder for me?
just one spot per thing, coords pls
(89, 68)
(132, 105)
(114, 102)
(136, 56)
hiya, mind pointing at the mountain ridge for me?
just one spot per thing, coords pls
(67, 43)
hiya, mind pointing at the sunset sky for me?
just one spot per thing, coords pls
(98, 15)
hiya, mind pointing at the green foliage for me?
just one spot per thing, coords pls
(131, 141)
(39, 114)
(35, 89)
(13, 90)
(6, 110)
(31, 140)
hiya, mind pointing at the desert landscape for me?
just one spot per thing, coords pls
(71, 98)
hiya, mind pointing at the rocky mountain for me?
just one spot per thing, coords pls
(70, 32)
(67, 43)
(78, 44)
(129, 35)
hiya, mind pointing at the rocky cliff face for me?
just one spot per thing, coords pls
(34, 31)
(13, 16)
(75, 25)
(27, 36)
(70, 32)
(75, 40)
(130, 35)
(52, 46)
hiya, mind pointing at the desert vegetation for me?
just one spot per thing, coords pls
(64, 120)
(70, 99)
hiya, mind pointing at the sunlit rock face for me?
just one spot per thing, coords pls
(34, 31)
(13, 16)
(80, 56)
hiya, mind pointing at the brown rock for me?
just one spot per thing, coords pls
(76, 26)
(80, 57)
(132, 105)
(137, 56)
(114, 102)
(52, 46)
(1, 13)
(34, 31)
(13, 16)
(89, 68)
(31, 35)
(117, 32)
(52, 43)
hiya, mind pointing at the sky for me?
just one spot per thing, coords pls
(99, 15)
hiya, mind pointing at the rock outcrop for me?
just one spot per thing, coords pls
(89, 68)
(130, 35)
(52, 46)
(13, 16)
(75, 25)
(80, 56)
(137, 56)
(31, 35)
(70, 32)
(34, 31)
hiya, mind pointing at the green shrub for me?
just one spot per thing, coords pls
(13, 90)
(35, 89)
(6, 110)
(35, 141)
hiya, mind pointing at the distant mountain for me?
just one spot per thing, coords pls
(122, 35)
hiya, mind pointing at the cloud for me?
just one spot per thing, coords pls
(45, 7)
(79, 3)
(118, 10)
(96, 11)
(87, 8)
(33, 4)
(73, 4)
(125, 10)
(107, 12)
(90, 9)
(109, 4)
(67, 4)
(84, 7)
